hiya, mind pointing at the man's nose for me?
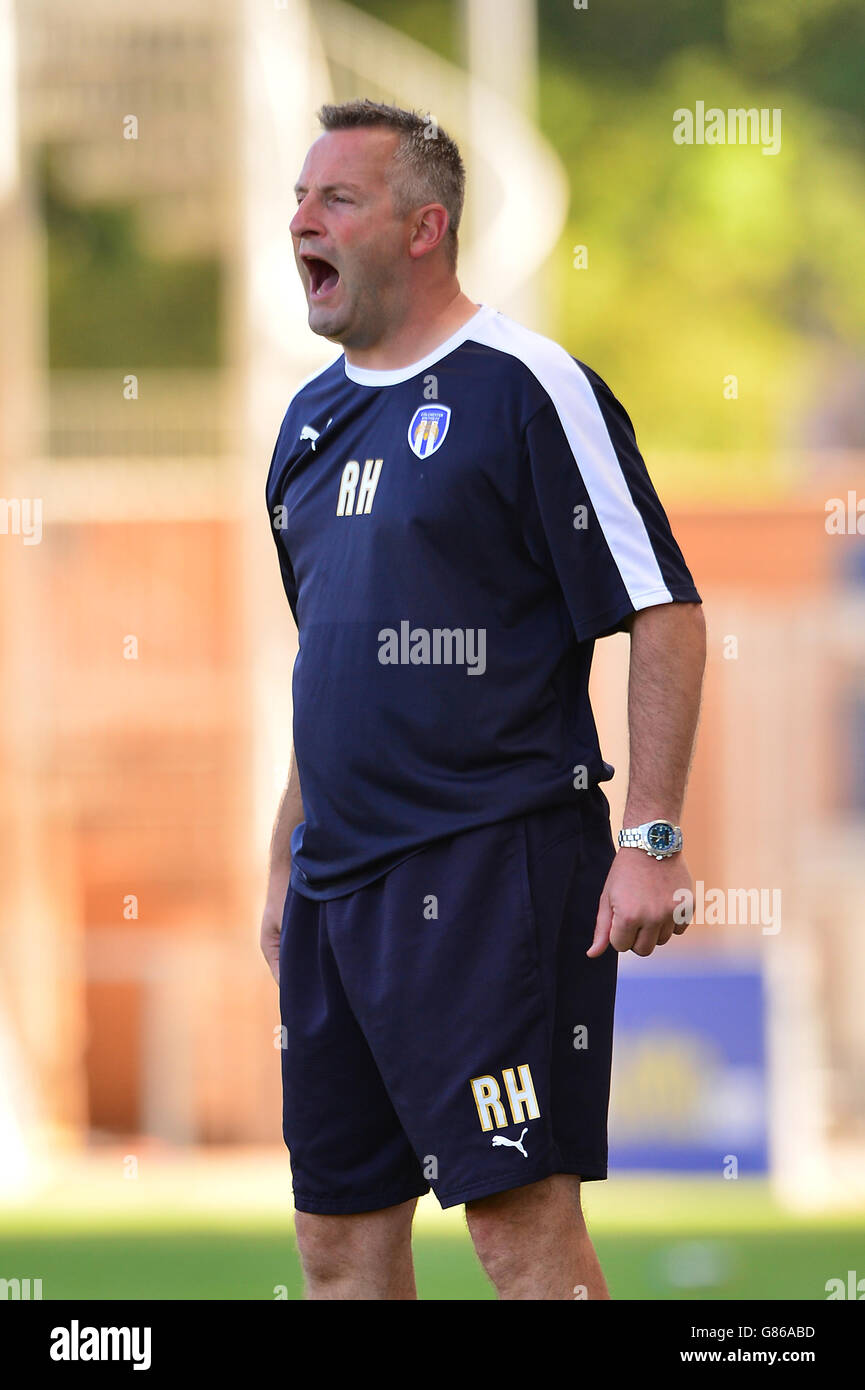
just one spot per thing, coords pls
(305, 222)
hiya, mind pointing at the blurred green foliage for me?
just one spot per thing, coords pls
(704, 261)
(111, 303)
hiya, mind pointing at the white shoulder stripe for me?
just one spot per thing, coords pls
(586, 432)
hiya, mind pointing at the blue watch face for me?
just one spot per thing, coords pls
(660, 836)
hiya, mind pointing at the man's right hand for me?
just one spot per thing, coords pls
(271, 921)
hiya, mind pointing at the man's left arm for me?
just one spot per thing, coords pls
(668, 654)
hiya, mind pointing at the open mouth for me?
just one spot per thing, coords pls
(323, 277)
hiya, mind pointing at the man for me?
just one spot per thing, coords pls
(460, 510)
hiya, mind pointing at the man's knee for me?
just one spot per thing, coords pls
(332, 1247)
(505, 1220)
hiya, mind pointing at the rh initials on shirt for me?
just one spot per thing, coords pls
(357, 500)
(487, 1094)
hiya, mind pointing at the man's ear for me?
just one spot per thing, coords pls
(429, 231)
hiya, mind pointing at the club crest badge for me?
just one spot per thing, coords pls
(428, 429)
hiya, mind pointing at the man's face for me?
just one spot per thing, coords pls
(349, 246)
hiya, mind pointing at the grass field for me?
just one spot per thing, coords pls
(179, 1263)
(202, 1231)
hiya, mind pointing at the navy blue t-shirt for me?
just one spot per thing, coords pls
(452, 537)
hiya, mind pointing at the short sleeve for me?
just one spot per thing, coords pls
(592, 514)
(275, 518)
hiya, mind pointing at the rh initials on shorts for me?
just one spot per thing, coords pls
(487, 1094)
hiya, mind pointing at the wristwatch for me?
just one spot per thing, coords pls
(659, 838)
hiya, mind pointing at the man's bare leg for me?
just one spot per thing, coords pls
(365, 1256)
(533, 1243)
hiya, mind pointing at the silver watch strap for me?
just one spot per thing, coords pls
(630, 839)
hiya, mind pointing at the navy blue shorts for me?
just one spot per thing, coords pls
(442, 1026)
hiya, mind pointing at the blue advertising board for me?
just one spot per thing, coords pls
(689, 1086)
